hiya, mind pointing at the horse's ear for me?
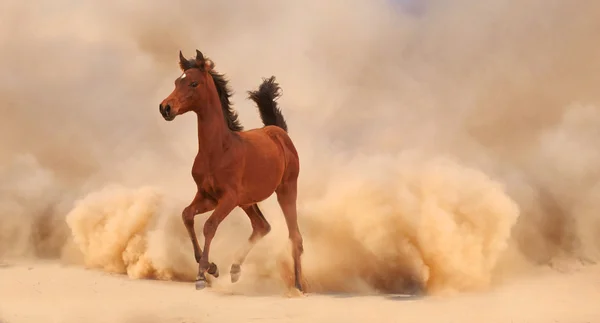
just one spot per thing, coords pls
(184, 64)
(208, 64)
(204, 62)
(199, 56)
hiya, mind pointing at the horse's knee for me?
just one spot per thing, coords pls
(300, 247)
(260, 231)
(188, 216)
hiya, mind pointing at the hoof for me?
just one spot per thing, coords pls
(295, 293)
(235, 273)
(201, 284)
(213, 270)
(201, 281)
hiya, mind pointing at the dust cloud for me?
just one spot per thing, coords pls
(443, 148)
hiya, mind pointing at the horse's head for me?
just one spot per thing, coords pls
(191, 89)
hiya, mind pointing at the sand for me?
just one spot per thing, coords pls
(50, 292)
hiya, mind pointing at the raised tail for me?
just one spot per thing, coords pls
(266, 95)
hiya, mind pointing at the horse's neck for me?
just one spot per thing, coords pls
(213, 133)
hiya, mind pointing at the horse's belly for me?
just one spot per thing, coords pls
(261, 180)
(259, 188)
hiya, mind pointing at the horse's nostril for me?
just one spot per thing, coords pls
(167, 109)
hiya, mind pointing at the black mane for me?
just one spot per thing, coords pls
(221, 83)
(225, 93)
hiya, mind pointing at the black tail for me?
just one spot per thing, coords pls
(266, 95)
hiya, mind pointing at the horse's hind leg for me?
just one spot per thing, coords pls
(260, 228)
(286, 196)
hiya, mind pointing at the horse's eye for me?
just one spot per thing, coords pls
(194, 84)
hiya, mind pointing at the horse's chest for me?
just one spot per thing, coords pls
(208, 186)
(211, 180)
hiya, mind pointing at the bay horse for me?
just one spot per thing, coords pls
(235, 167)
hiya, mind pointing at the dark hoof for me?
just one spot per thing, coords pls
(201, 281)
(213, 270)
(235, 273)
(201, 284)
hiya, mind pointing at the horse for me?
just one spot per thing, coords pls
(235, 167)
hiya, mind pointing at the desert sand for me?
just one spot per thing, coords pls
(48, 292)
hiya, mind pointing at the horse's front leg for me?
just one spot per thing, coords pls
(225, 205)
(199, 205)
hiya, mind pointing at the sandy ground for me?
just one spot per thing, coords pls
(50, 292)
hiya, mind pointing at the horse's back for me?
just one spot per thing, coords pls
(274, 144)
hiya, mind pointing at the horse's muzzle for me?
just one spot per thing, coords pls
(165, 111)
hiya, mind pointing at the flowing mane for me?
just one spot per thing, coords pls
(222, 85)
(229, 113)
